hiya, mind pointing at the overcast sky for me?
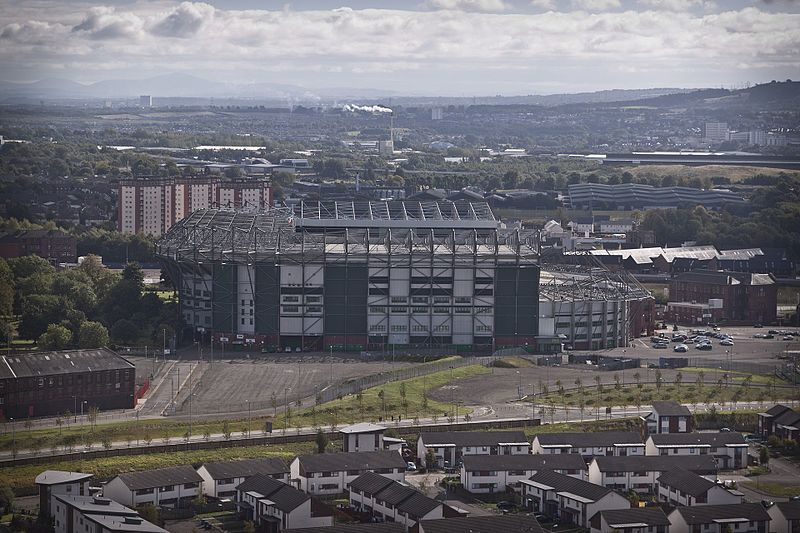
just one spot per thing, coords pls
(447, 47)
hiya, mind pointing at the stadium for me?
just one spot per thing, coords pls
(359, 276)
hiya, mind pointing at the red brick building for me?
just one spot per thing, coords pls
(718, 296)
(53, 245)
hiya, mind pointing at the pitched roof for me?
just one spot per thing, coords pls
(57, 477)
(472, 438)
(777, 410)
(563, 483)
(686, 481)
(127, 524)
(651, 516)
(790, 510)
(160, 478)
(362, 427)
(559, 461)
(588, 440)
(61, 362)
(370, 482)
(704, 514)
(671, 409)
(387, 527)
(684, 439)
(656, 463)
(246, 467)
(483, 524)
(402, 497)
(336, 462)
(286, 498)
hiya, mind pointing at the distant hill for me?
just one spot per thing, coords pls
(765, 94)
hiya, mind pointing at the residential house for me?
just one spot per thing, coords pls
(728, 448)
(499, 473)
(622, 225)
(583, 226)
(589, 445)
(221, 478)
(166, 487)
(640, 473)
(57, 482)
(739, 518)
(645, 520)
(368, 437)
(389, 501)
(681, 487)
(331, 473)
(448, 447)
(785, 517)
(511, 523)
(79, 514)
(669, 417)
(275, 506)
(573, 501)
(781, 421)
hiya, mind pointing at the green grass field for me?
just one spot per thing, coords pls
(775, 489)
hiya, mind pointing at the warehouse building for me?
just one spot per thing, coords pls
(371, 275)
(49, 383)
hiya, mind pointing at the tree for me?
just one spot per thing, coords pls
(92, 414)
(125, 331)
(149, 513)
(6, 288)
(637, 377)
(93, 335)
(678, 378)
(6, 499)
(321, 441)
(658, 379)
(617, 384)
(56, 337)
(249, 527)
(38, 312)
(763, 456)
(226, 431)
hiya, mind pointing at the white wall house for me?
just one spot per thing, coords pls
(785, 517)
(481, 474)
(267, 501)
(53, 483)
(640, 473)
(166, 487)
(82, 514)
(740, 518)
(367, 437)
(331, 473)
(572, 500)
(450, 446)
(220, 479)
(589, 445)
(728, 448)
(646, 520)
(681, 487)
(390, 501)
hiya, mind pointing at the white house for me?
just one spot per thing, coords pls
(785, 517)
(645, 520)
(58, 482)
(739, 518)
(79, 514)
(390, 501)
(220, 479)
(278, 506)
(681, 487)
(623, 225)
(167, 487)
(640, 473)
(589, 445)
(497, 473)
(331, 473)
(582, 226)
(368, 437)
(728, 448)
(574, 501)
(448, 447)
(669, 417)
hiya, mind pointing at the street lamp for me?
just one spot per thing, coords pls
(285, 408)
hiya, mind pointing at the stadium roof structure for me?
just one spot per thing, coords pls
(565, 282)
(244, 235)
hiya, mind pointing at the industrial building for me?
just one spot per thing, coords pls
(49, 383)
(630, 196)
(371, 275)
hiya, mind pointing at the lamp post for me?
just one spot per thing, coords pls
(13, 441)
(285, 408)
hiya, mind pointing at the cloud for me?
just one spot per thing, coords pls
(102, 23)
(486, 6)
(185, 21)
(677, 5)
(596, 5)
(544, 4)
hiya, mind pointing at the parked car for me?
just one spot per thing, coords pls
(542, 518)
(726, 342)
(680, 348)
(506, 506)
(411, 467)
(757, 326)
(703, 346)
(660, 345)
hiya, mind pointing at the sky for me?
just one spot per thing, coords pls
(409, 47)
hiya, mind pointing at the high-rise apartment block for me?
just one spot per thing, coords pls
(152, 205)
(716, 131)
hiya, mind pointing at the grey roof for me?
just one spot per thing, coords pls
(246, 467)
(161, 477)
(712, 439)
(671, 409)
(402, 497)
(652, 516)
(777, 410)
(564, 483)
(62, 362)
(472, 438)
(286, 498)
(57, 477)
(559, 461)
(95, 505)
(336, 462)
(656, 463)
(362, 427)
(387, 527)
(483, 524)
(704, 514)
(370, 482)
(132, 524)
(588, 440)
(686, 481)
(790, 510)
